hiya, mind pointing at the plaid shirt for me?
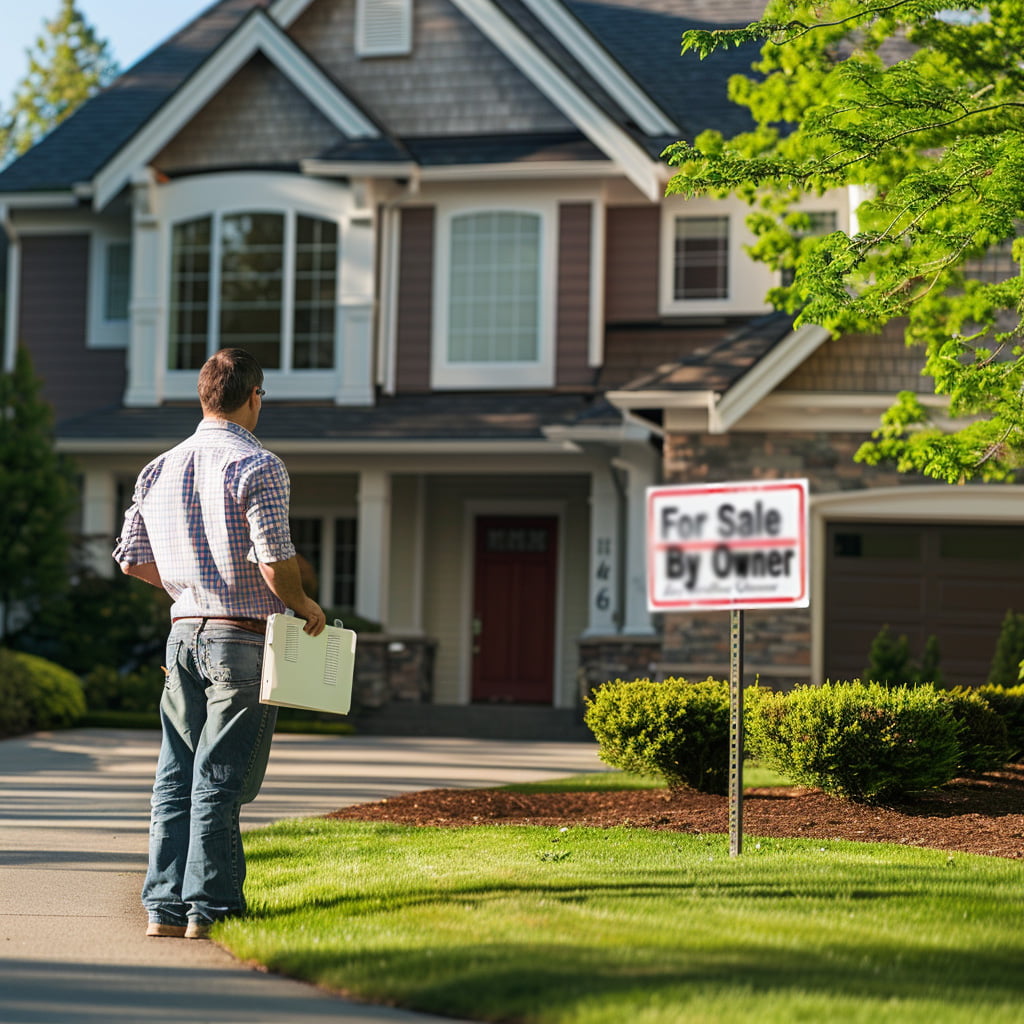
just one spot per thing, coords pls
(206, 512)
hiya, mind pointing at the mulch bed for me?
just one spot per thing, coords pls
(980, 814)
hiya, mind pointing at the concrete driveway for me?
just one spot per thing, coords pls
(73, 834)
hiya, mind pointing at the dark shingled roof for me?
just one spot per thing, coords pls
(718, 367)
(79, 147)
(642, 35)
(494, 416)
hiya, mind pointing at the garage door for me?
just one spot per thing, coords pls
(955, 582)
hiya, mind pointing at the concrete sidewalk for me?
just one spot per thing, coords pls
(73, 833)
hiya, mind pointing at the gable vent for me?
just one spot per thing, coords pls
(383, 28)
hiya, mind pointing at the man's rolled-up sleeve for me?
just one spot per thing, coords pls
(266, 496)
(133, 547)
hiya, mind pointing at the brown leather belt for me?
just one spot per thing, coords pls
(251, 625)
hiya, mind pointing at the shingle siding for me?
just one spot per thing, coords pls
(631, 263)
(863, 362)
(415, 299)
(258, 119)
(455, 81)
(573, 327)
(53, 310)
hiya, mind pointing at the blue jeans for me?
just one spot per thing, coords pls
(216, 741)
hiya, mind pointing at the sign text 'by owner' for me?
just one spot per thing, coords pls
(738, 545)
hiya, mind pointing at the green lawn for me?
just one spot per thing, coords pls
(595, 926)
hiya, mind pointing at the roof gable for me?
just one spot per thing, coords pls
(257, 33)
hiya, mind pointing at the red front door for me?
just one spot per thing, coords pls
(514, 608)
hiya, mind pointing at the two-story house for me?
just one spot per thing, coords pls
(440, 226)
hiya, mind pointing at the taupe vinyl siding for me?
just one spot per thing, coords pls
(631, 278)
(573, 328)
(52, 318)
(415, 300)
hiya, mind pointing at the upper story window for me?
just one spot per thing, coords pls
(701, 258)
(262, 281)
(494, 298)
(383, 28)
(705, 268)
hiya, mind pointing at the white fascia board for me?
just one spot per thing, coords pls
(572, 101)
(661, 399)
(40, 200)
(604, 68)
(520, 171)
(763, 378)
(284, 12)
(355, 169)
(312, 446)
(257, 33)
(616, 434)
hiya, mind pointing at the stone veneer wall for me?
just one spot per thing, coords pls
(607, 658)
(392, 669)
(777, 645)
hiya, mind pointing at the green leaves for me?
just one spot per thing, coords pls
(917, 104)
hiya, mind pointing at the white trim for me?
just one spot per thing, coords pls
(101, 332)
(317, 168)
(473, 509)
(12, 282)
(598, 262)
(568, 97)
(257, 33)
(539, 373)
(771, 370)
(578, 40)
(41, 200)
(924, 503)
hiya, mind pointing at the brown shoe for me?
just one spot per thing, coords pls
(196, 930)
(165, 931)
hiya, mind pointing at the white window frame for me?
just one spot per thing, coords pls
(385, 33)
(747, 282)
(217, 196)
(103, 332)
(538, 373)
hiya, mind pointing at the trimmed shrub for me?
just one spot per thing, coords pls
(675, 730)
(1008, 703)
(864, 741)
(14, 686)
(984, 746)
(889, 661)
(36, 694)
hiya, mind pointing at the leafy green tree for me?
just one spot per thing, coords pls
(67, 64)
(916, 104)
(39, 495)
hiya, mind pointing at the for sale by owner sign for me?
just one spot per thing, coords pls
(739, 545)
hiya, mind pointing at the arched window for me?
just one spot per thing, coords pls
(260, 280)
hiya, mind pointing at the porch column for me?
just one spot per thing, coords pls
(146, 353)
(99, 493)
(640, 463)
(603, 605)
(373, 556)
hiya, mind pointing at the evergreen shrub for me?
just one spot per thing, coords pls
(676, 730)
(45, 696)
(864, 741)
(1008, 703)
(1009, 652)
(106, 689)
(984, 745)
(14, 687)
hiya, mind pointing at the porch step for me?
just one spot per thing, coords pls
(483, 721)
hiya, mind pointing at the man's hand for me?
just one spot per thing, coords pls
(285, 581)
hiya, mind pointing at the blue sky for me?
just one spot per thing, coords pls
(131, 28)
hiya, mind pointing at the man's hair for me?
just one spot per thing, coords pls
(227, 379)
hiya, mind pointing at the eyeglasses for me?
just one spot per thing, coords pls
(260, 392)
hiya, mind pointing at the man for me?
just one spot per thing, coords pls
(209, 524)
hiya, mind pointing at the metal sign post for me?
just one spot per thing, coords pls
(735, 733)
(729, 546)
